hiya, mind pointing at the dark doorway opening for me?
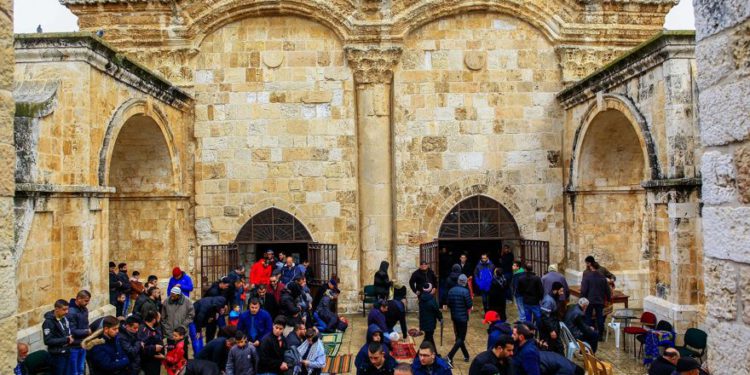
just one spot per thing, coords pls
(251, 252)
(451, 250)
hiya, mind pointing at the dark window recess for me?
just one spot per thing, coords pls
(478, 217)
(217, 261)
(273, 225)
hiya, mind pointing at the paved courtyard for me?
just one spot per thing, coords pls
(623, 362)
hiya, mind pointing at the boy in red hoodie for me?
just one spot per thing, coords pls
(175, 360)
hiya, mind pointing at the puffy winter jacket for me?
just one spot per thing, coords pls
(483, 274)
(459, 301)
(206, 309)
(131, 345)
(429, 312)
(108, 358)
(185, 283)
(78, 317)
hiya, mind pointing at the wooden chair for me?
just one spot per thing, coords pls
(603, 367)
(589, 360)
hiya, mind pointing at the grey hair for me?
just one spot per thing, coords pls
(583, 301)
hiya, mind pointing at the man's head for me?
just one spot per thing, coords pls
(179, 334)
(382, 305)
(402, 369)
(151, 318)
(517, 265)
(240, 269)
(688, 366)
(240, 339)
(61, 308)
(485, 258)
(274, 279)
(23, 351)
(110, 326)
(268, 254)
(154, 293)
(311, 335)
(463, 280)
(306, 263)
(121, 297)
(423, 265)
(254, 306)
(278, 325)
(589, 260)
(521, 334)
(557, 288)
(175, 293)
(123, 267)
(299, 330)
(376, 354)
(262, 290)
(289, 261)
(552, 268)
(224, 282)
(672, 355)
(463, 258)
(503, 347)
(152, 280)
(83, 298)
(506, 249)
(132, 324)
(282, 256)
(112, 267)
(426, 353)
(583, 303)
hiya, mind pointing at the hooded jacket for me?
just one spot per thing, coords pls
(260, 273)
(362, 357)
(55, 333)
(483, 274)
(429, 312)
(326, 314)
(459, 301)
(381, 281)
(288, 305)
(453, 277)
(78, 317)
(175, 314)
(107, 357)
(206, 309)
(185, 283)
(377, 318)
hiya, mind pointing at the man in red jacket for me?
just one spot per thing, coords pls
(260, 272)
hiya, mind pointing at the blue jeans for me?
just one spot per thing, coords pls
(125, 306)
(485, 294)
(534, 311)
(60, 364)
(519, 306)
(599, 310)
(195, 339)
(77, 361)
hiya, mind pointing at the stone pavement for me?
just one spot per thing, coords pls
(623, 362)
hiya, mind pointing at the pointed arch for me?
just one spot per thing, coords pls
(476, 217)
(273, 225)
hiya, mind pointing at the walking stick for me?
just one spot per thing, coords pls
(441, 333)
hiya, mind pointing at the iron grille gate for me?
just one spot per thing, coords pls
(217, 261)
(536, 255)
(324, 261)
(429, 253)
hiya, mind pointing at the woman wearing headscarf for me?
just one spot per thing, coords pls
(382, 283)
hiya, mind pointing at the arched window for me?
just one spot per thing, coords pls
(273, 225)
(479, 217)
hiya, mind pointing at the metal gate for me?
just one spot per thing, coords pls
(429, 253)
(324, 261)
(536, 255)
(217, 261)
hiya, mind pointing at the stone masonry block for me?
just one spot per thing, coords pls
(720, 278)
(726, 233)
(712, 16)
(742, 164)
(718, 178)
(728, 354)
(724, 110)
(714, 59)
(744, 287)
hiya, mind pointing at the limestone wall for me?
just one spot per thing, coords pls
(723, 35)
(275, 128)
(7, 190)
(71, 120)
(475, 113)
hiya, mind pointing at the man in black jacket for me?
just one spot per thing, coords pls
(595, 287)
(207, 311)
(272, 348)
(58, 337)
(499, 356)
(78, 317)
(422, 276)
(124, 288)
(666, 364)
(152, 352)
(575, 321)
(130, 343)
(114, 284)
(378, 363)
(105, 355)
(217, 351)
(288, 306)
(532, 291)
(267, 302)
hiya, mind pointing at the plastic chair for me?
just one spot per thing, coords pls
(695, 344)
(570, 343)
(603, 367)
(368, 296)
(647, 320)
(615, 326)
(589, 362)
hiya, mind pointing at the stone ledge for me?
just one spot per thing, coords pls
(52, 189)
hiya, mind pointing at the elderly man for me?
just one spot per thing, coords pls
(666, 364)
(178, 311)
(576, 322)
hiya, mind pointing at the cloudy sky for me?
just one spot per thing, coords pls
(55, 17)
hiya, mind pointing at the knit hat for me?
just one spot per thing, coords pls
(491, 317)
(552, 268)
(234, 315)
(176, 272)
(462, 280)
(175, 290)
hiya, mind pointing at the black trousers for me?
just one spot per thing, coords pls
(152, 367)
(430, 336)
(460, 329)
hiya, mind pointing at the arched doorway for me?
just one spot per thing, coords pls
(478, 225)
(143, 210)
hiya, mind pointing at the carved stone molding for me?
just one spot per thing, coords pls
(373, 64)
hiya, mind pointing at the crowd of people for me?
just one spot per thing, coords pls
(270, 322)
(264, 322)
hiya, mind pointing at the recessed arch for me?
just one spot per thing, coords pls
(478, 217)
(620, 111)
(273, 225)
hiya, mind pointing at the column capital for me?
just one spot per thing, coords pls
(373, 64)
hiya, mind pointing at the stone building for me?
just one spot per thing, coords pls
(366, 128)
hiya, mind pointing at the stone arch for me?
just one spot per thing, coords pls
(258, 228)
(228, 11)
(126, 111)
(618, 106)
(479, 204)
(280, 204)
(486, 185)
(415, 17)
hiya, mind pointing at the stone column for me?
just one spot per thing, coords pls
(723, 63)
(9, 304)
(373, 77)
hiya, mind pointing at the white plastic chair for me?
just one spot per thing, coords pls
(615, 326)
(571, 346)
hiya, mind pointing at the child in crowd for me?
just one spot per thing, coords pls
(175, 360)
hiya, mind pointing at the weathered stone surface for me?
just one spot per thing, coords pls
(742, 164)
(725, 347)
(726, 233)
(720, 278)
(713, 16)
(719, 178)
(744, 289)
(726, 105)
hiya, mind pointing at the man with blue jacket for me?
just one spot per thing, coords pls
(526, 358)
(78, 317)
(483, 275)
(459, 301)
(106, 356)
(428, 363)
(255, 322)
(181, 279)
